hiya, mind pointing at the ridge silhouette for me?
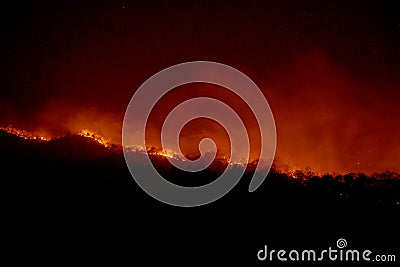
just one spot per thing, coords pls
(78, 188)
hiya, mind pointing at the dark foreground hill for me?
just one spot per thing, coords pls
(71, 196)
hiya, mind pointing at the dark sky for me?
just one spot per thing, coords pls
(65, 64)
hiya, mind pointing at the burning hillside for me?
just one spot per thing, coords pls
(159, 156)
(45, 136)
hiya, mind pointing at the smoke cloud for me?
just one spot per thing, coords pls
(328, 118)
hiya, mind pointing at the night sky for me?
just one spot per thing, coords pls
(329, 69)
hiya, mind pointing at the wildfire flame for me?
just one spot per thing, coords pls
(42, 136)
(26, 134)
(96, 137)
(163, 154)
(107, 142)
